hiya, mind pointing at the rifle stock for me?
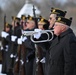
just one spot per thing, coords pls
(39, 66)
(23, 59)
(17, 62)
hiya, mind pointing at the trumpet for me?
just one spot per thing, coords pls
(31, 33)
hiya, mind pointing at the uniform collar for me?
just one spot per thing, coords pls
(66, 32)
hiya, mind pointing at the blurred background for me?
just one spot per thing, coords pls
(12, 8)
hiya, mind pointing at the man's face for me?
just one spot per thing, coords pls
(52, 20)
(30, 24)
(23, 24)
(57, 28)
(14, 23)
(40, 25)
(7, 29)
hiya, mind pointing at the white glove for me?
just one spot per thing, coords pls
(37, 60)
(16, 59)
(4, 34)
(24, 38)
(22, 31)
(42, 60)
(11, 55)
(13, 38)
(22, 62)
(1, 47)
(19, 41)
(38, 34)
(27, 60)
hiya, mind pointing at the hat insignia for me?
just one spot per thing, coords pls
(42, 20)
(30, 18)
(54, 10)
(14, 18)
(6, 24)
(59, 19)
(23, 18)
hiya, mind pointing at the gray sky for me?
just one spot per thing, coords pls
(4, 3)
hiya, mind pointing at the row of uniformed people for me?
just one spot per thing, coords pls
(14, 39)
(46, 45)
(11, 48)
(60, 58)
(26, 27)
(61, 54)
(30, 50)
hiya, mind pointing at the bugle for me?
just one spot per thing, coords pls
(31, 33)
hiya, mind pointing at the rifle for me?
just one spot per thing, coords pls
(19, 67)
(38, 53)
(3, 39)
(23, 60)
(39, 68)
(12, 52)
(35, 19)
(4, 22)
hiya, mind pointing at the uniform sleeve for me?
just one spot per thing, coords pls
(29, 44)
(8, 38)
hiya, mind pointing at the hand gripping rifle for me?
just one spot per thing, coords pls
(39, 68)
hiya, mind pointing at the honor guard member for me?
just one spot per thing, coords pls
(16, 33)
(62, 52)
(54, 13)
(6, 48)
(43, 24)
(30, 56)
(29, 47)
(19, 65)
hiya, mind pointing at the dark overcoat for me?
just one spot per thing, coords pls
(62, 55)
